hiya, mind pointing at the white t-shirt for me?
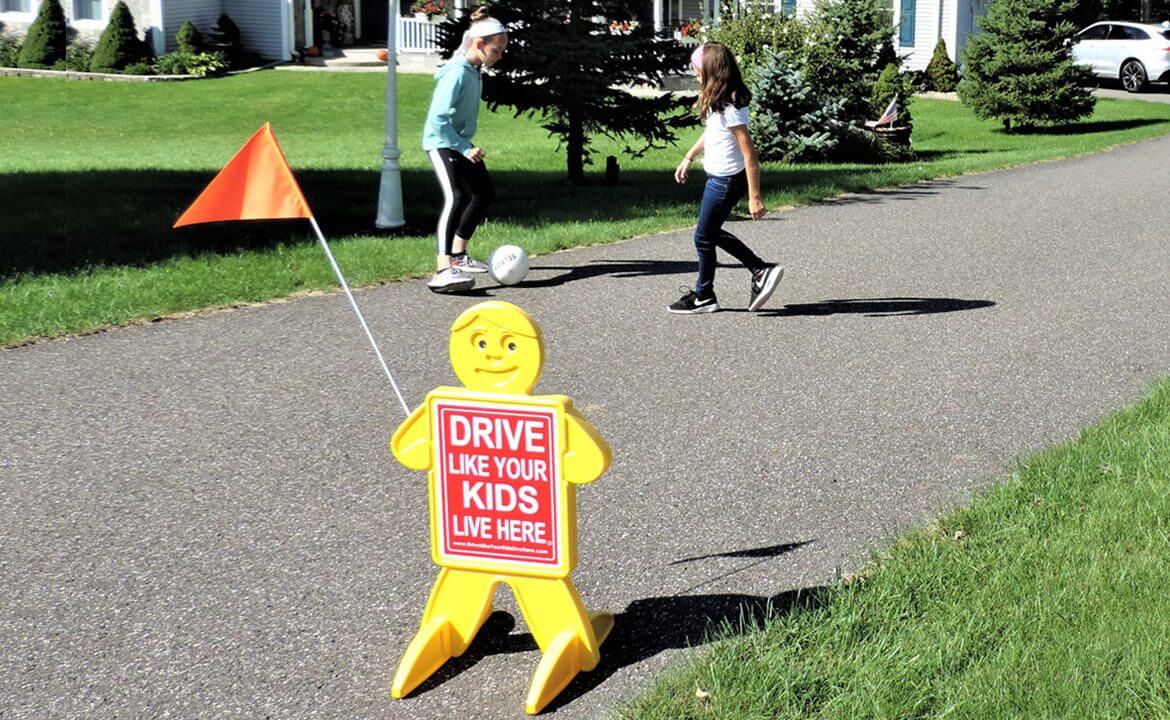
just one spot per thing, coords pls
(721, 153)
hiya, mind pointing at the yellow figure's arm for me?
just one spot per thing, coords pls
(586, 456)
(411, 442)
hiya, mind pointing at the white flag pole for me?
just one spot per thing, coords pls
(362, 320)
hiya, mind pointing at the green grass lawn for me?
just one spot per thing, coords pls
(94, 174)
(1047, 598)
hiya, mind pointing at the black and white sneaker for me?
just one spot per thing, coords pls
(692, 304)
(450, 280)
(764, 282)
(468, 264)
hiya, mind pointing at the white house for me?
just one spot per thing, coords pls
(920, 22)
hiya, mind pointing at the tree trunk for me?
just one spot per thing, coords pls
(575, 147)
(1146, 10)
(1007, 125)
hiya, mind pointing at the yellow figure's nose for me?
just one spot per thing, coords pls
(496, 347)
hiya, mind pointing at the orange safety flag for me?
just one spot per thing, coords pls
(256, 184)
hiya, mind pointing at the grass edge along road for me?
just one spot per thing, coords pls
(137, 181)
(1044, 598)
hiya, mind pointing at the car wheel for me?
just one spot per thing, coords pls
(1133, 76)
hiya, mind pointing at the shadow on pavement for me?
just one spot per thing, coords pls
(875, 307)
(646, 627)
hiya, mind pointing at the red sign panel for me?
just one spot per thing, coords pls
(497, 484)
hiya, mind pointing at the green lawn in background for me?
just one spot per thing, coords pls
(1046, 598)
(94, 174)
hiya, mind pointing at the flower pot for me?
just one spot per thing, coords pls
(420, 16)
(436, 19)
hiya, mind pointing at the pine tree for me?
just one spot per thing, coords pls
(44, 44)
(852, 42)
(563, 64)
(790, 123)
(188, 38)
(225, 38)
(1018, 69)
(942, 72)
(119, 46)
(890, 84)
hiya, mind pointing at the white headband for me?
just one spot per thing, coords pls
(482, 28)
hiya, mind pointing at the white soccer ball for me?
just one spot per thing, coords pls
(509, 264)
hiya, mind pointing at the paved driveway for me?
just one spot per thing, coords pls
(200, 518)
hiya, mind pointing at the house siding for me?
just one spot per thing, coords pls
(203, 13)
(260, 24)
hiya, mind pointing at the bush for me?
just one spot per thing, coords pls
(851, 42)
(119, 46)
(78, 57)
(1018, 70)
(891, 83)
(9, 49)
(790, 122)
(139, 68)
(754, 34)
(189, 39)
(44, 44)
(942, 72)
(225, 38)
(197, 64)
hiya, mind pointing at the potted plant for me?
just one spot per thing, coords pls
(430, 10)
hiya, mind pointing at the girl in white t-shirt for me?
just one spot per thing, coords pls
(729, 159)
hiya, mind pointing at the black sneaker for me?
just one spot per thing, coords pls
(692, 304)
(764, 282)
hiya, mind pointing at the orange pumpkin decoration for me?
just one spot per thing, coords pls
(313, 51)
(383, 55)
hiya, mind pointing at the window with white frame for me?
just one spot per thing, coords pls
(87, 9)
(20, 6)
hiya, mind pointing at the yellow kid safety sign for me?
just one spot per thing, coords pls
(503, 466)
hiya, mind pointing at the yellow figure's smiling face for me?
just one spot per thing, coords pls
(496, 347)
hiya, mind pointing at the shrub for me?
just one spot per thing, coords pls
(119, 46)
(790, 122)
(942, 72)
(9, 49)
(189, 39)
(1018, 70)
(185, 63)
(225, 38)
(754, 34)
(851, 42)
(139, 68)
(44, 44)
(891, 83)
(78, 57)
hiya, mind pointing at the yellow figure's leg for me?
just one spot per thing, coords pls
(460, 603)
(569, 637)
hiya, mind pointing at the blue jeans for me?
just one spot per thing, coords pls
(720, 196)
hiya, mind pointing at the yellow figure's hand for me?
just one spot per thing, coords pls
(411, 442)
(587, 456)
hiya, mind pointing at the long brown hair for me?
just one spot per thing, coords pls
(722, 83)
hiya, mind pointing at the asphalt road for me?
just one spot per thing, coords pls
(200, 518)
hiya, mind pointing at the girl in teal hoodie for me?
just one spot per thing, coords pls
(450, 125)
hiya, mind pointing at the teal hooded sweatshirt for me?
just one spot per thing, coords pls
(454, 108)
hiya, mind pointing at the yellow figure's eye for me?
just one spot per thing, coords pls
(478, 341)
(511, 346)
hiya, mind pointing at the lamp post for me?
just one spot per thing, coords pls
(390, 214)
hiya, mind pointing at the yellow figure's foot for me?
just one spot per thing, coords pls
(430, 648)
(563, 659)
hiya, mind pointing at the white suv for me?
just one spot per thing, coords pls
(1133, 53)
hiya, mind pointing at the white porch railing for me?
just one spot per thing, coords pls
(417, 36)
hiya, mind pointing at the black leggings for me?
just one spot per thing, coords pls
(467, 194)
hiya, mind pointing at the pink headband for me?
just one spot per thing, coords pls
(697, 57)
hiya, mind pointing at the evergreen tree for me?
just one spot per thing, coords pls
(44, 44)
(852, 42)
(563, 64)
(189, 39)
(789, 122)
(1018, 69)
(225, 38)
(890, 84)
(942, 73)
(119, 46)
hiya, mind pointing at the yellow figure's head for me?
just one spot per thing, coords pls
(496, 347)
